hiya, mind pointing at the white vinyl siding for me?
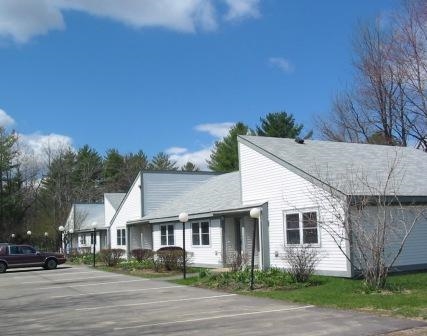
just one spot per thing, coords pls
(264, 180)
(130, 209)
(414, 251)
(210, 255)
(160, 187)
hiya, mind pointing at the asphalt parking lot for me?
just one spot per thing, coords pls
(83, 301)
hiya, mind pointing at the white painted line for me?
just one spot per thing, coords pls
(94, 284)
(156, 302)
(55, 273)
(113, 292)
(212, 318)
(71, 279)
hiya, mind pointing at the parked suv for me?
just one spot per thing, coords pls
(14, 256)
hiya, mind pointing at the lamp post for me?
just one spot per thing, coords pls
(29, 236)
(46, 234)
(94, 243)
(71, 231)
(254, 213)
(183, 218)
(61, 230)
(12, 237)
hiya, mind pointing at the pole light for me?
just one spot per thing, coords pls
(255, 213)
(61, 230)
(12, 237)
(71, 231)
(183, 218)
(29, 236)
(94, 243)
(46, 234)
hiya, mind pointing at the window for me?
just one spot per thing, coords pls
(27, 250)
(83, 239)
(301, 228)
(121, 236)
(166, 235)
(200, 233)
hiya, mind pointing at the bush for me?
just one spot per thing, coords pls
(170, 257)
(237, 261)
(302, 262)
(142, 254)
(111, 257)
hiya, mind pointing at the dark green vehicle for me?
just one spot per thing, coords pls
(17, 256)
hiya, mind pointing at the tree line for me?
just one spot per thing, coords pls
(38, 197)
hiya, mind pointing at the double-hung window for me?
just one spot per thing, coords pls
(301, 228)
(121, 237)
(200, 233)
(166, 235)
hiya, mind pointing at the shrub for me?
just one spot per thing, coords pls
(142, 254)
(237, 261)
(170, 257)
(302, 262)
(111, 257)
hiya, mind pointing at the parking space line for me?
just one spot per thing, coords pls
(93, 284)
(213, 317)
(113, 292)
(156, 302)
(55, 273)
(71, 279)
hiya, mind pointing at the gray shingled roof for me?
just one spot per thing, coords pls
(115, 199)
(86, 214)
(220, 193)
(349, 167)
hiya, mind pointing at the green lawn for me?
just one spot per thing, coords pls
(406, 296)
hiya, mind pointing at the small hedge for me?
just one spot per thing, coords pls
(142, 254)
(170, 257)
(111, 257)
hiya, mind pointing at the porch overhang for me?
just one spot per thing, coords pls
(216, 213)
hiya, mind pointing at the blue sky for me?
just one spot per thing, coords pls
(169, 75)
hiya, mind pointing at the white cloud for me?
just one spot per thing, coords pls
(182, 15)
(281, 63)
(198, 157)
(238, 9)
(218, 130)
(176, 150)
(21, 20)
(37, 149)
(5, 119)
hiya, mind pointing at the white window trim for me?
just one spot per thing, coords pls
(83, 240)
(167, 235)
(300, 212)
(117, 236)
(200, 233)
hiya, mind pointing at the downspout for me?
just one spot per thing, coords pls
(128, 241)
(223, 246)
(264, 238)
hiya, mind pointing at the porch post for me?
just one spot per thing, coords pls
(255, 214)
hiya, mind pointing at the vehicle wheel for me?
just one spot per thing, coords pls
(3, 267)
(51, 264)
